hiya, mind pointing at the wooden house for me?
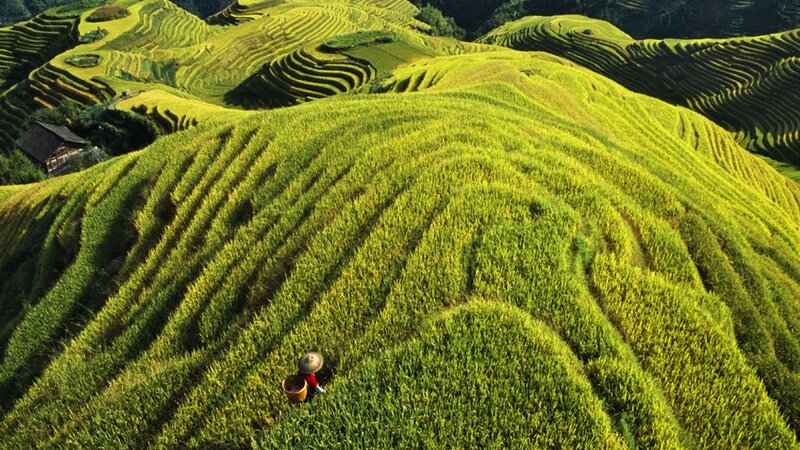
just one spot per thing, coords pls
(50, 145)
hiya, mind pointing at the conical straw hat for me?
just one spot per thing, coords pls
(311, 362)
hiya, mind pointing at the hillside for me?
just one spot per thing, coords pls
(158, 48)
(748, 85)
(639, 18)
(167, 64)
(501, 250)
(12, 11)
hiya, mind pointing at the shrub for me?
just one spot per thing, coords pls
(440, 25)
(93, 36)
(359, 39)
(16, 168)
(83, 60)
(117, 131)
(84, 160)
(107, 13)
(63, 114)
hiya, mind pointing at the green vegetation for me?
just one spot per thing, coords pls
(16, 168)
(83, 60)
(116, 131)
(83, 160)
(27, 45)
(307, 74)
(93, 36)
(162, 48)
(749, 85)
(502, 250)
(106, 13)
(63, 115)
(491, 247)
(640, 18)
(789, 171)
(440, 25)
(24, 47)
(17, 10)
(358, 39)
(535, 368)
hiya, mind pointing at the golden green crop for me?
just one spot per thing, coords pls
(747, 84)
(505, 250)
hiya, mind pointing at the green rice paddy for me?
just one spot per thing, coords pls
(514, 252)
(492, 248)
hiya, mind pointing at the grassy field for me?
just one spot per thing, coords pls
(502, 250)
(749, 85)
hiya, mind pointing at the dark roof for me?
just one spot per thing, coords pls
(64, 133)
(43, 139)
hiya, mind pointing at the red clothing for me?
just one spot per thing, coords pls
(311, 379)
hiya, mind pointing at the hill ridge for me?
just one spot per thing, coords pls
(733, 81)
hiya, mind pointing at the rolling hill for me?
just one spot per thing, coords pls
(168, 64)
(160, 48)
(640, 18)
(12, 11)
(501, 249)
(493, 247)
(748, 85)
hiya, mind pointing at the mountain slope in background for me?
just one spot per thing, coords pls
(749, 85)
(160, 47)
(180, 71)
(19, 10)
(639, 18)
(597, 274)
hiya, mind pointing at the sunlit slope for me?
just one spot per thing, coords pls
(749, 85)
(160, 48)
(208, 61)
(641, 18)
(521, 252)
(338, 65)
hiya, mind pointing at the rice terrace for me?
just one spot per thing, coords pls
(391, 224)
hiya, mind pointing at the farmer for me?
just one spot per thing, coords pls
(308, 365)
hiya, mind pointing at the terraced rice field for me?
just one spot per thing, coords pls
(27, 45)
(212, 68)
(176, 113)
(24, 47)
(515, 252)
(721, 18)
(160, 47)
(318, 71)
(748, 85)
(15, 106)
(304, 75)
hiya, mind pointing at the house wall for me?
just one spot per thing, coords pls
(61, 156)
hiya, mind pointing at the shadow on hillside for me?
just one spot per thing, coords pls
(256, 92)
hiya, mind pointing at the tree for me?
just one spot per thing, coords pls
(116, 131)
(16, 168)
(440, 25)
